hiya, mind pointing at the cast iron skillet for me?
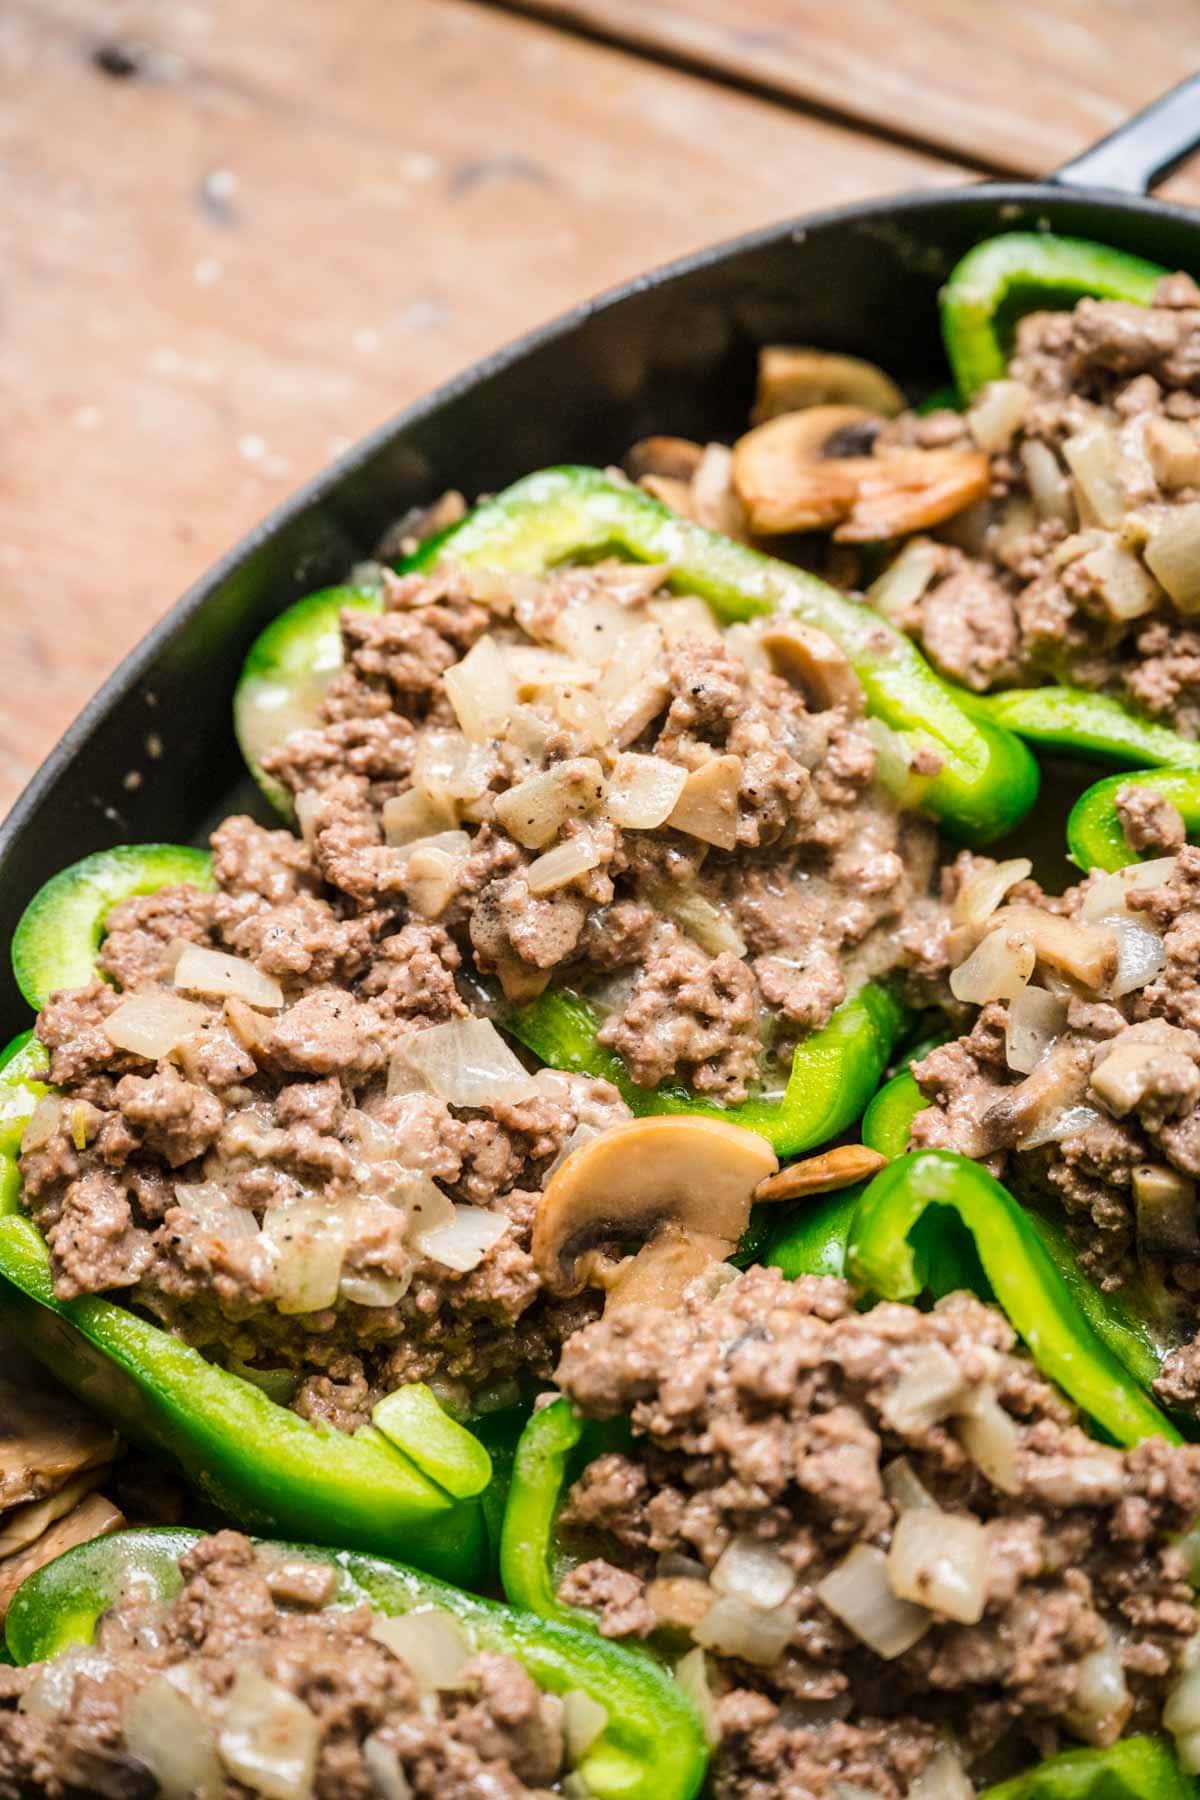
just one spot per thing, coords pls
(673, 351)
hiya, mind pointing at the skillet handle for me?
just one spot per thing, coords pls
(1135, 157)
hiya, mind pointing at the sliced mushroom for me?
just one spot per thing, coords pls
(792, 377)
(44, 1441)
(798, 472)
(662, 1268)
(25, 1524)
(810, 658)
(1150, 1057)
(1058, 1083)
(913, 490)
(1087, 953)
(96, 1517)
(675, 457)
(837, 1168)
(637, 1180)
(1166, 1212)
(707, 807)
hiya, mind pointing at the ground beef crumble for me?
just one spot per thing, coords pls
(242, 1615)
(708, 952)
(774, 1414)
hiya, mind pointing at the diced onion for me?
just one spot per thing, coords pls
(534, 810)
(930, 1389)
(982, 893)
(1057, 1126)
(373, 1290)
(753, 1572)
(150, 1024)
(451, 772)
(582, 715)
(50, 1693)
(1102, 1700)
(997, 969)
(306, 1239)
(536, 671)
(939, 1560)
(163, 1729)
(1173, 555)
(991, 1438)
(1181, 1714)
(1141, 955)
(1095, 460)
(430, 1641)
(1121, 580)
(268, 1738)
(859, 1594)
(643, 791)
(1048, 483)
(384, 1770)
(481, 690)
(43, 1122)
(998, 414)
(708, 925)
(682, 618)
(430, 869)
(415, 814)
(216, 973)
(1107, 896)
(904, 1487)
(595, 630)
(463, 1241)
(942, 1778)
(564, 864)
(583, 1721)
(894, 764)
(209, 1204)
(733, 1628)
(904, 581)
(691, 1672)
(1035, 1023)
(466, 1062)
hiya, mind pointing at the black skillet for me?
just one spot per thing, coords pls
(673, 351)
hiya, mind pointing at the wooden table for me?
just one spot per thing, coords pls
(236, 234)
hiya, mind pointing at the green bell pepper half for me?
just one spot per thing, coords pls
(263, 1465)
(834, 1071)
(1136, 1768)
(1095, 835)
(60, 931)
(888, 1255)
(651, 1748)
(988, 780)
(1025, 271)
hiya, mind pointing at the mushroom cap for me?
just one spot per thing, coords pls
(682, 1170)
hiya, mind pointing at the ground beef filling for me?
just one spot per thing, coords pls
(1067, 573)
(274, 1185)
(782, 1439)
(244, 1664)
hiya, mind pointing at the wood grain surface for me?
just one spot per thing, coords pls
(1014, 88)
(236, 234)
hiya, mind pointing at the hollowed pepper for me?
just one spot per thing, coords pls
(1095, 836)
(651, 1747)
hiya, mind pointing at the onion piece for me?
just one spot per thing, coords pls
(481, 690)
(1181, 1716)
(929, 1389)
(982, 892)
(211, 1207)
(306, 1241)
(43, 1122)
(430, 1641)
(942, 1778)
(564, 864)
(268, 1738)
(733, 1628)
(416, 814)
(1173, 555)
(997, 969)
(1102, 1701)
(164, 1730)
(463, 1241)
(691, 1672)
(1048, 483)
(583, 1721)
(373, 1289)
(904, 581)
(904, 1487)
(998, 414)
(466, 1062)
(50, 1693)
(991, 1438)
(1095, 459)
(754, 1572)
(859, 1594)
(939, 1560)
(534, 810)
(1058, 1126)
(216, 973)
(1123, 584)
(710, 926)
(151, 1023)
(682, 618)
(1035, 1023)
(452, 773)
(384, 1770)
(1107, 896)
(537, 671)
(430, 868)
(1141, 955)
(643, 791)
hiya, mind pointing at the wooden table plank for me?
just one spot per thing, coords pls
(1017, 88)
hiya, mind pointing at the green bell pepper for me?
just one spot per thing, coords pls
(813, 1239)
(1025, 271)
(264, 1466)
(1043, 1307)
(22, 1065)
(1094, 832)
(834, 1071)
(1136, 1768)
(651, 1748)
(1083, 723)
(987, 782)
(60, 931)
(887, 1122)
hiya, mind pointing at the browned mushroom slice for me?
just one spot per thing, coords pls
(636, 1181)
(810, 658)
(800, 472)
(674, 457)
(25, 1524)
(912, 490)
(1085, 953)
(792, 377)
(96, 1517)
(44, 1441)
(837, 1168)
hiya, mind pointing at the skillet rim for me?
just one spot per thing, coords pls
(291, 511)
